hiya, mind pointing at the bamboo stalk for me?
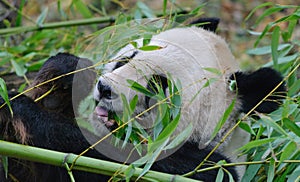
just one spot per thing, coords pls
(70, 23)
(89, 21)
(82, 163)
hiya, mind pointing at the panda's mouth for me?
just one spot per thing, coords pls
(105, 116)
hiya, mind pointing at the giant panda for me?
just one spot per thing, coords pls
(211, 79)
(43, 119)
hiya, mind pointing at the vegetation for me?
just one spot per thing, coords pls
(274, 151)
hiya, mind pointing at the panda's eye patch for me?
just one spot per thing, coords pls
(125, 60)
(120, 64)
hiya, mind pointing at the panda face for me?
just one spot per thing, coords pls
(186, 59)
(202, 64)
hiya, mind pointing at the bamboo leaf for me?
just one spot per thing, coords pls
(214, 70)
(40, 20)
(246, 127)
(295, 175)
(264, 32)
(4, 163)
(181, 137)
(269, 122)
(274, 45)
(294, 89)
(288, 150)
(291, 125)
(256, 143)
(145, 10)
(138, 87)
(222, 120)
(268, 12)
(150, 48)
(266, 49)
(164, 135)
(165, 3)
(126, 116)
(252, 169)
(20, 16)
(82, 8)
(4, 94)
(20, 69)
(271, 170)
(256, 8)
(220, 175)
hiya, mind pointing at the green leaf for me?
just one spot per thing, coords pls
(252, 169)
(19, 68)
(274, 45)
(4, 161)
(185, 134)
(145, 10)
(197, 9)
(271, 170)
(165, 3)
(146, 39)
(214, 70)
(291, 27)
(129, 172)
(288, 150)
(266, 49)
(291, 125)
(269, 122)
(134, 44)
(264, 32)
(19, 17)
(295, 175)
(256, 8)
(133, 103)
(165, 134)
(256, 143)
(40, 20)
(220, 175)
(82, 8)
(223, 120)
(245, 126)
(150, 48)
(268, 12)
(126, 116)
(294, 89)
(4, 94)
(138, 87)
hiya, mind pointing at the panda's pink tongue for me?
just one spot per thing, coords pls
(100, 111)
(102, 114)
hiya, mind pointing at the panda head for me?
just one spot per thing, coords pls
(202, 64)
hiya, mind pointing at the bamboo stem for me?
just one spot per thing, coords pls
(83, 163)
(89, 21)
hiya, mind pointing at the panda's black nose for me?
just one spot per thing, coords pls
(105, 91)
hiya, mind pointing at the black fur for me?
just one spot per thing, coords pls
(188, 157)
(210, 24)
(59, 100)
(253, 87)
(46, 130)
(125, 60)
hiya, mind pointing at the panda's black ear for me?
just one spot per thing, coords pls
(253, 87)
(210, 24)
(153, 85)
